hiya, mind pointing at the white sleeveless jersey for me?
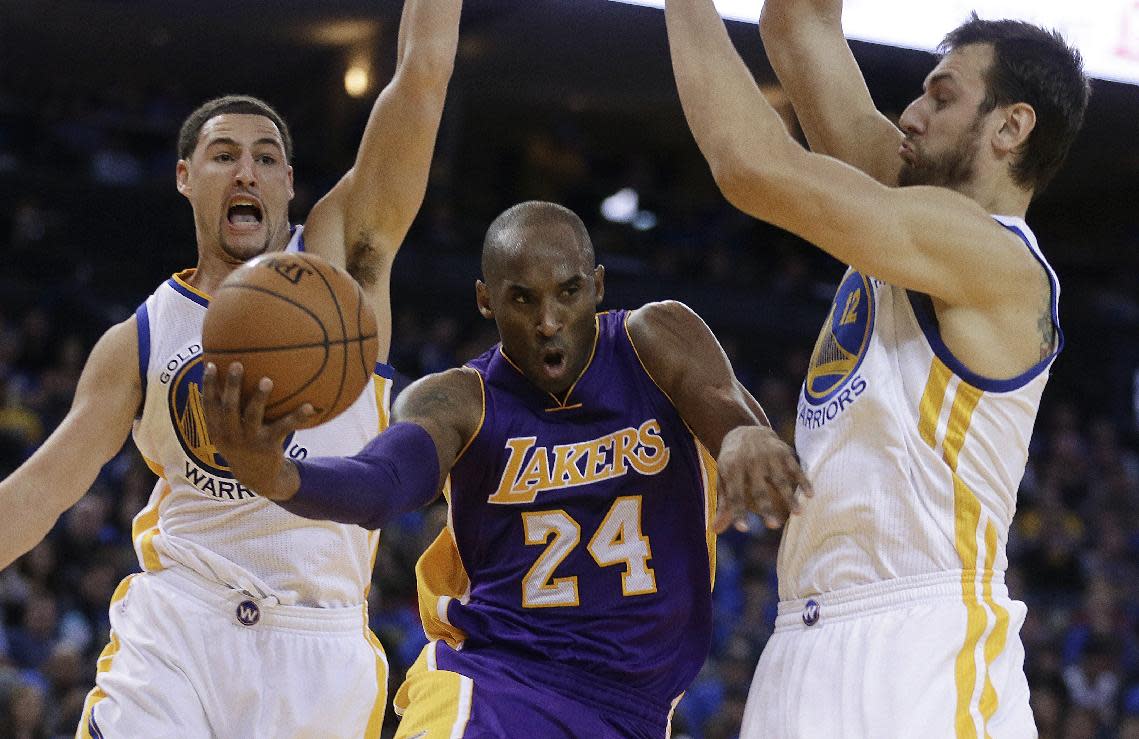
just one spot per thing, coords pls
(199, 517)
(915, 460)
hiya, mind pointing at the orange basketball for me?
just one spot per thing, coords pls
(299, 321)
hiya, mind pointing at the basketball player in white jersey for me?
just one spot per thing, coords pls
(246, 620)
(917, 409)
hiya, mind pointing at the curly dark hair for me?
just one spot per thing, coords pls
(1035, 66)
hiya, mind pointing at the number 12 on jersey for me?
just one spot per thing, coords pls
(618, 540)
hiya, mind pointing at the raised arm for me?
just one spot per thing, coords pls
(57, 475)
(757, 471)
(361, 223)
(400, 470)
(804, 42)
(928, 239)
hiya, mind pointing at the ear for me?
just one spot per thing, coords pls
(598, 284)
(482, 299)
(1018, 124)
(182, 177)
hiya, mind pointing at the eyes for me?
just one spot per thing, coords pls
(525, 298)
(225, 157)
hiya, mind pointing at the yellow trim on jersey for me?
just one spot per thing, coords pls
(145, 528)
(967, 519)
(376, 719)
(182, 279)
(382, 386)
(107, 656)
(482, 420)
(434, 704)
(440, 577)
(710, 477)
(155, 467)
(932, 400)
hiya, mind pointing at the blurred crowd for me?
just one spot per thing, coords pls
(90, 222)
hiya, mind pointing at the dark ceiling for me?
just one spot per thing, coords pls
(517, 56)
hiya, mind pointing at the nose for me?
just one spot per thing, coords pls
(912, 121)
(549, 319)
(244, 174)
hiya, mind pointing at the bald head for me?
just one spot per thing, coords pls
(535, 229)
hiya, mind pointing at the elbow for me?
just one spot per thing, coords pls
(428, 66)
(740, 184)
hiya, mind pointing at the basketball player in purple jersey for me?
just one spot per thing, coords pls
(569, 595)
(286, 638)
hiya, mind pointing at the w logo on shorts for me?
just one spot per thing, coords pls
(248, 614)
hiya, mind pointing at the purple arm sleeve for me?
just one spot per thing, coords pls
(397, 472)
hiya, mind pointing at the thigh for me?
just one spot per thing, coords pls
(140, 688)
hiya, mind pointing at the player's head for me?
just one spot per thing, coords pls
(1005, 94)
(542, 286)
(234, 155)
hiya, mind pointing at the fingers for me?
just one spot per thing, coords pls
(254, 412)
(286, 425)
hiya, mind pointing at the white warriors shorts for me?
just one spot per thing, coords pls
(190, 658)
(908, 658)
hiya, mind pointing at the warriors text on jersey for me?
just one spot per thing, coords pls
(199, 516)
(578, 534)
(915, 460)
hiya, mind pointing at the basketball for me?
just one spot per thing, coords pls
(300, 321)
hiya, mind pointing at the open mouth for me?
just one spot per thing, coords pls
(243, 213)
(554, 360)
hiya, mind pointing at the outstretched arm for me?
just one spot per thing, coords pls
(400, 470)
(758, 472)
(929, 239)
(805, 45)
(361, 223)
(57, 475)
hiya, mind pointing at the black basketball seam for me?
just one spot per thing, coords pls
(343, 327)
(295, 304)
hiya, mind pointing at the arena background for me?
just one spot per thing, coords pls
(566, 100)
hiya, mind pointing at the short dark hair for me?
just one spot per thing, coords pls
(1036, 66)
(241, 104)
(530, 213)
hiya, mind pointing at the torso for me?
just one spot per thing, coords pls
(578, 531)
(199, 517)
(915, 460)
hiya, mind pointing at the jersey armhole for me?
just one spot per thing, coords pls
(922, 306)
(142, 325)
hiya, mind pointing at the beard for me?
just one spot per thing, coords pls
(950, 169)
(242, 253)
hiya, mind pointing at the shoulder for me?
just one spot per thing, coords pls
(457, 391)
(662, 321)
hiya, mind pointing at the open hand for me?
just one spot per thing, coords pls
(758, 473)
(252, 448)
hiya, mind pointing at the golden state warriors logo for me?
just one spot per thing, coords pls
(188, 416)
(843, 341)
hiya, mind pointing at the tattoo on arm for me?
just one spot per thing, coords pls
(1047, 331)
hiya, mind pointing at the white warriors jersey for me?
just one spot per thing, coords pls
(915, 461)
(199, 516)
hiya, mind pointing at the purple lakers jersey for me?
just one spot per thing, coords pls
(579, 530)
